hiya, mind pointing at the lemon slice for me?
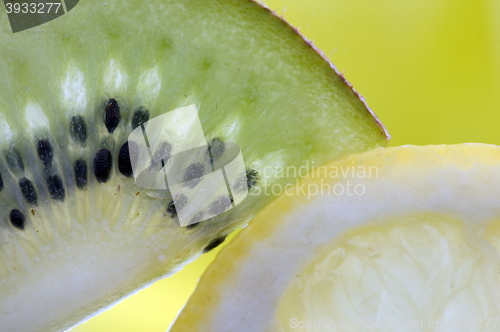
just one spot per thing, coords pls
(406, 239)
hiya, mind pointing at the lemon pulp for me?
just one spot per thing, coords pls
(382, 277)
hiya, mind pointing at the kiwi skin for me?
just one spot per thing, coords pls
(85, 235)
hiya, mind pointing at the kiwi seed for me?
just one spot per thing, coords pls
(112, 115)
(78, 129)
(56, 187)
(17, 219)
(124, 164)
(102, 165)
(193, 175)
(45, 152)
(28, 191)
(140, 116)
(80, 169)
(214, 244)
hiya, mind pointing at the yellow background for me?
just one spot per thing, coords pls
(430, 69)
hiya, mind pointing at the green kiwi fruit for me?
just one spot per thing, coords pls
(76, 232)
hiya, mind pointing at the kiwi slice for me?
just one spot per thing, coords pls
(76, 232)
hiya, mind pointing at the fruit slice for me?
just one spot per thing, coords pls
(77, 233)
(413, 239)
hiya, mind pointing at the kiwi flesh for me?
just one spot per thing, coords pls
(76, 232)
